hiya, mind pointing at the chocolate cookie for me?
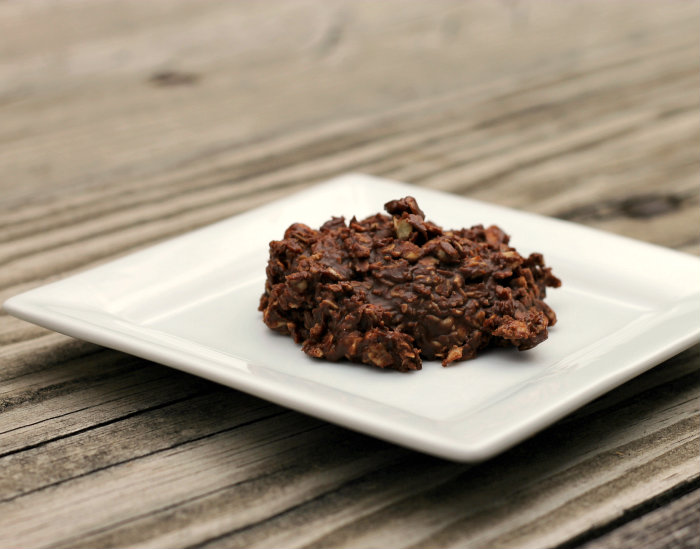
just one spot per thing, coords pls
(391, 290)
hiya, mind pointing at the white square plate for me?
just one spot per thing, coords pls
(191, 303)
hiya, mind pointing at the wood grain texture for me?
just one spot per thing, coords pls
(673, 526)
(123, 123)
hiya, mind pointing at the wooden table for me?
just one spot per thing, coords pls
(125, 123)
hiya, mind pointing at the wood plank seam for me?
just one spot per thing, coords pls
(69, 541)
(122, 462)
(320, 497)
(673, 493)
(96, 425)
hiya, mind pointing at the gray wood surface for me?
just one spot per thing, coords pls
(673, 525)
(123, 123)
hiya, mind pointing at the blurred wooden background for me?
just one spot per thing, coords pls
(123, 123)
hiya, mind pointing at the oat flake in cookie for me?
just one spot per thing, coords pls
(391, 290)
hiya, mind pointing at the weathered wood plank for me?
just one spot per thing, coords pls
(402, 498)
(533, 52)
(600, 100)
(33, 354)
(182, 418)
(115, 64)
(142, 223)
(163, 479)
(71, 396)
(673, 526)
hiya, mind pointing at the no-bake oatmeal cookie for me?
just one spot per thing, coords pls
(391, 290)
